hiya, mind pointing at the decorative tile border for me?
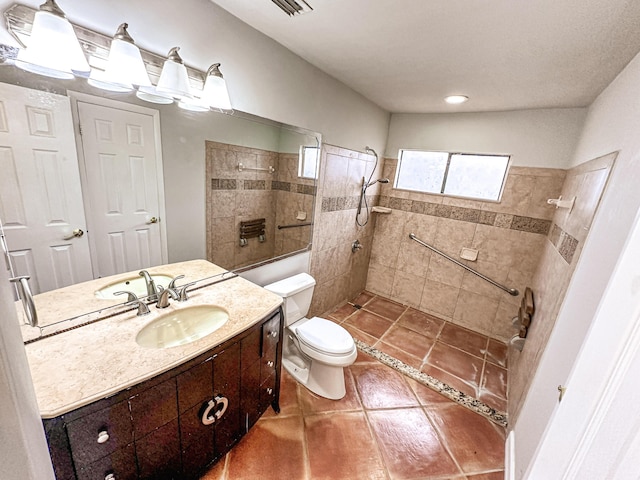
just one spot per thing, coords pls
(334, 204)
(563, 242)
(451, 393)
(472, 215)
(239, 184)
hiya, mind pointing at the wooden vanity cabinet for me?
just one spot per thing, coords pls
(175, 425)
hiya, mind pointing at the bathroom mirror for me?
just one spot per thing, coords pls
(219, 172)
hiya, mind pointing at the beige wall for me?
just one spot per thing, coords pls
(341, 274)
(508, 235)
(560, 255)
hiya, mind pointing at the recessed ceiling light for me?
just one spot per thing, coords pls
(456, 99)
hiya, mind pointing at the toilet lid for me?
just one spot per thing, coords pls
(325, 336)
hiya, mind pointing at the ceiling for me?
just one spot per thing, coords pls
(406, 55)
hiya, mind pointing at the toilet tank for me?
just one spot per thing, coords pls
(297, 292)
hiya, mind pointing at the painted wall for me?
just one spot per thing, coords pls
(611, 124)
(534, 138)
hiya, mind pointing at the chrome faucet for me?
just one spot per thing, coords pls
(152, 289)
(134, 301)
(163, 297)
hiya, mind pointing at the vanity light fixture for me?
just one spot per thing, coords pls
(115, 64)
(456, 99)
(124, 67)
(214, 92)
(53, 49)
(173, 78)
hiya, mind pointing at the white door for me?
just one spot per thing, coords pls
(40, 195)
(122, 170)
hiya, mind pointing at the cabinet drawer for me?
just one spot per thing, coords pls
(267, 365)
(267, 392)
(99, 434)
(270, 335)
(121, 464)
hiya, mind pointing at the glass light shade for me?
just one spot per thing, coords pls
(53, 49)
(456, 99)
(193, 104)
(174, 79)
(151, 94)
(125, 67)
(214, 92)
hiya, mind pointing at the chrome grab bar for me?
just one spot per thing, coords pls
(510, 291)
(280, 227)
(28, 304)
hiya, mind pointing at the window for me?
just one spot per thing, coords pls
(456, 174)
(308, 162)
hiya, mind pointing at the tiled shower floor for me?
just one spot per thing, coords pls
(465, 360)
(387, 426)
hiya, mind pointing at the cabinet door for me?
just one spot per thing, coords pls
(159, 453)
(153, 408)
(226, 383)
(99, 434)
(195, 389)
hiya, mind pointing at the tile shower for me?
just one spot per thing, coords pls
(522, 241)
(234, 196)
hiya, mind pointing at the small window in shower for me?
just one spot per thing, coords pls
(308, 162)
(456, 174)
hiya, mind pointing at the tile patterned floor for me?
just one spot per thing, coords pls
(387, 426)
(466, 360)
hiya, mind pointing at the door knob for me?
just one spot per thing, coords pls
(153, 220)
(76, 233)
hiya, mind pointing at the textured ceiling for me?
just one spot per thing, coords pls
(406, 55)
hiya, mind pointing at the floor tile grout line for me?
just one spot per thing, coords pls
(451, 393)
(443, 440)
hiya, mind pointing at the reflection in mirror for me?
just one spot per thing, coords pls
(203, 192)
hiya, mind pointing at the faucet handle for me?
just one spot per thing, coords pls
(172, 283)
(131, 297)
(182, 292)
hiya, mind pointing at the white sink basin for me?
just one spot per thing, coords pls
(182, 326)
(136, 285)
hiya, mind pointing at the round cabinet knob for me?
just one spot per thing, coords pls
(270, 363)
(111, 476)
(103, 436)
(269, 390)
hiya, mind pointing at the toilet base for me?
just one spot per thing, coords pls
(324, 380)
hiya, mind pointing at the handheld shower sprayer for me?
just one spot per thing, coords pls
(366, 184)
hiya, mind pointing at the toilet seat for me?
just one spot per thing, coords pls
(325, 337)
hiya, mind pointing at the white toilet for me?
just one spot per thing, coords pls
(315, 350)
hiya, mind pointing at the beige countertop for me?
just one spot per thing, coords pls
(79, 366)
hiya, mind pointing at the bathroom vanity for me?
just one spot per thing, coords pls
(113, 409)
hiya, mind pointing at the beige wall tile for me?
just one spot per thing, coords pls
(476, 312)
(439, 299)
(407, 288)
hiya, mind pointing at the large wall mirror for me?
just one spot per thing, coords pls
(227, 188)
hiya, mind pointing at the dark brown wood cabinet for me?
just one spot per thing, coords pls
(177, 424)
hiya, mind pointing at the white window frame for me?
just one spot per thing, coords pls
(302, 161)
(446, 172)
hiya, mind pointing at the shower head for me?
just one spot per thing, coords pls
(380, 180)
(370, 150)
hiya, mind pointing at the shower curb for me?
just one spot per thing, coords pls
(496, 416)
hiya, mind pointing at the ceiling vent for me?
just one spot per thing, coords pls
(293, 7)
